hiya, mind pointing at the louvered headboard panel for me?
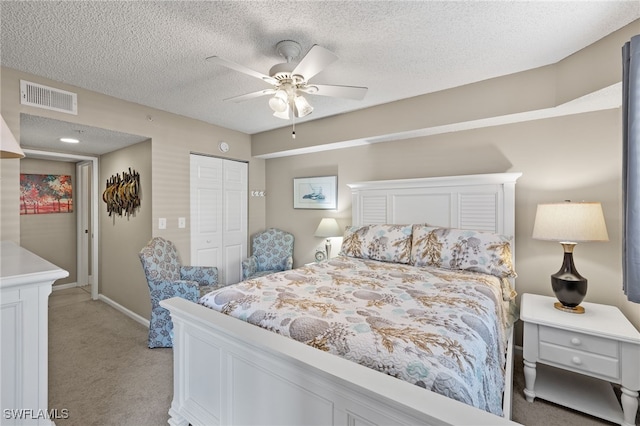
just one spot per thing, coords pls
(483, 202)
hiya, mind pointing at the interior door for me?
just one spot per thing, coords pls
(234, 217)
(206, 211)
(219, 215)
(83, 176)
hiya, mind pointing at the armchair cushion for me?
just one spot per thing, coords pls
(167, 278)
(272, 252)
(203, 275)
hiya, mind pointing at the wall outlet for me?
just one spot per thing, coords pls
(162, 223)
(182, 222)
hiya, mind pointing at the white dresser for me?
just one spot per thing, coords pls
(25, 285)
(572, 359)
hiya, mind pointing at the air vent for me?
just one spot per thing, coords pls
(40, 96)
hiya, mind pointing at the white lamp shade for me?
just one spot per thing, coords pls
(279, 101)
(9, 146)
(328, 228)
(284, 114)
(303, 107)
(570, 222)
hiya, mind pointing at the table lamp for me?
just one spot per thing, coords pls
(328, 228)
(569, 223)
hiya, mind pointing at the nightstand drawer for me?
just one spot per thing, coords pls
(587, 362)
(580, 341)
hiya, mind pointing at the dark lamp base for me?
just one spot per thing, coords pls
(568, 285)
(571, 309)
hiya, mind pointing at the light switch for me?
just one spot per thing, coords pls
(182, 222)
(162, 223)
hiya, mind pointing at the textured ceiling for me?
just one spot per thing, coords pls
(153, 52)
(45, 133)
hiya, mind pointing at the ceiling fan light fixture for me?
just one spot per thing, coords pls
(290, 80)
(302, 107)
(279, 101)
(282, 114)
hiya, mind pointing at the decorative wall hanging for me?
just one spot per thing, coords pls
(122, 193)
(315, 192)
(42, 194)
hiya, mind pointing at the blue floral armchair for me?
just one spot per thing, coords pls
(168, 278)
(272, 252)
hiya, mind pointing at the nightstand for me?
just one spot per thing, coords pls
(572, 359)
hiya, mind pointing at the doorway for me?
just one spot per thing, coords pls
(84, 231)
(40, 139)
(87, 215)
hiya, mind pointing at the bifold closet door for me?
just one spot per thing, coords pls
(234, 219)
(219, 215)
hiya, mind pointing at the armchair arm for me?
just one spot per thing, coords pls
(289, 263)
(203, 275)
(249, 267)
(163, 289)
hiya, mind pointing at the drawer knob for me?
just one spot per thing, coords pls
(576, 360)
(575, 341)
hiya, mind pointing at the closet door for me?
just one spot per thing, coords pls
(219, 215)
(206, 211)
(234, 239)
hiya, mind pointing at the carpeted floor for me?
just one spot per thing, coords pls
(102, 372)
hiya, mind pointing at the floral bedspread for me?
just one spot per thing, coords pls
(440, 329)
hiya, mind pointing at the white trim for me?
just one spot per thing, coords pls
(82, 211)
(64, 286)
(124, 310)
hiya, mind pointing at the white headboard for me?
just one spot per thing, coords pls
(482, 202)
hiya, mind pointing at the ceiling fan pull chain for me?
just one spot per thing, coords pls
(293, 118)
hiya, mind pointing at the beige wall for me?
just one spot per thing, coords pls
(121, 237)
(51, 236)
(575, 157)
(172, 137)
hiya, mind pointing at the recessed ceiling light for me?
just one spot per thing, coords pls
(69, 140)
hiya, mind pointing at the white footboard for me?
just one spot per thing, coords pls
(228, 372)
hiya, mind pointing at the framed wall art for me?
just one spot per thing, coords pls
(43, 194)
(315, 192)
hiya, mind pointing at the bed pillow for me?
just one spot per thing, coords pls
(388, 243)
(469, 250)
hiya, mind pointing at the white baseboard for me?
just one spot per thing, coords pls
(124, 310)
(63, 286)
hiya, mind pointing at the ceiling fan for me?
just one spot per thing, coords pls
(290, 81)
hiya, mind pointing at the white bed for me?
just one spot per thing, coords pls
(230, 372)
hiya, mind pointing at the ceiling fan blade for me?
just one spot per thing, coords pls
(237, 67)
(348, 92)
(251, 95)
(316, 59)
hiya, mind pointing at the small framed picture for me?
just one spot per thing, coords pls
(315, 192)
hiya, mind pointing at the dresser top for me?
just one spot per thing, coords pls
(19, 266)
(598, 320)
